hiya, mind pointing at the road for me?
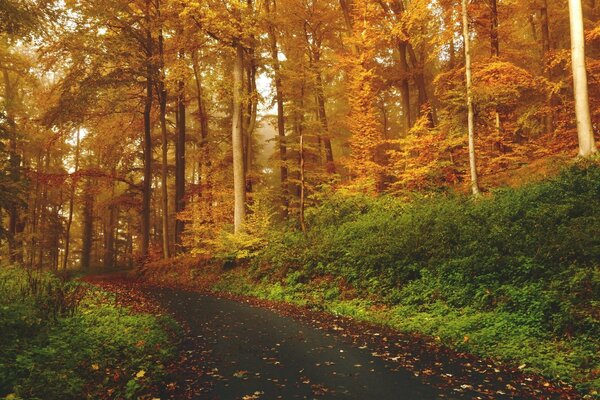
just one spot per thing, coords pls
(255, 353)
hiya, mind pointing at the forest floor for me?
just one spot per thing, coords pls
(239, 347)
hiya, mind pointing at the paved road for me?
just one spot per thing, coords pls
(255, 353)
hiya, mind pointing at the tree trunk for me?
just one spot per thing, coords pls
(205, 164)
(283, 170)
(15, 246)
(396, 9)
(322, 114)
(587, 144)
(471, 124)
(109, 238)
(302, 182)
(71, 201)
(404, 86)
(165, 149)
(88, 225)
(237, 140)
(545, 27)
(147, 142)
(180, 158)
(494, 36)
(249, 117)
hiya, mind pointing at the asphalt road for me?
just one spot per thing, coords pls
(254, 353)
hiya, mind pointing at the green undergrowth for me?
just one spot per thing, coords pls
(65, 340)
(514, 275)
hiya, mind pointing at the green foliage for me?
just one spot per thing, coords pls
(516, 273)
(94, 348)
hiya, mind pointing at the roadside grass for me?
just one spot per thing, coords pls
(67, 340)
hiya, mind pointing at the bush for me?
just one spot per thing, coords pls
(518, 269)
(94, 349)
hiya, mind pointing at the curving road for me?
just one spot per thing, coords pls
(255, 353)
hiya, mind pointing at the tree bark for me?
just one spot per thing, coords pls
(88, 225)
(237, 139)
(283, 170)
(470, 117)
(109, 235)
(587, 144)
(204, 167)
(180, 158)
(15, 245)
(165, 150)
(71, 204)
(494, 36)
(320, 92)
(147, 142)
(249, 117)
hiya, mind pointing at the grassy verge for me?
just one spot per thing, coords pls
(514, 276)
(65, 340)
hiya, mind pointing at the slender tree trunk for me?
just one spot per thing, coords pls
(283, 170)
(147, 142)
(330, 165)
(88, 225)
(494, 36)
(205, 164)
(71, 204)
(587, 144)
(302, 182)
(404, 86)
(109, 238)
(249, 117)
(239, 181)
(545, 28)
(43, 224)
(165, 150)
(495, 51)
(471, 124)
(180, 158)
(15, 246)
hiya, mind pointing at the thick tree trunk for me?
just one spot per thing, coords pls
(470, 117)
(545, 27)
(419, 77)
(587, 144)
(237, 139)
(147, 142)
(396, 8)
(283, 170)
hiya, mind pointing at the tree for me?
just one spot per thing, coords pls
(471, 114)
(587, 144)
